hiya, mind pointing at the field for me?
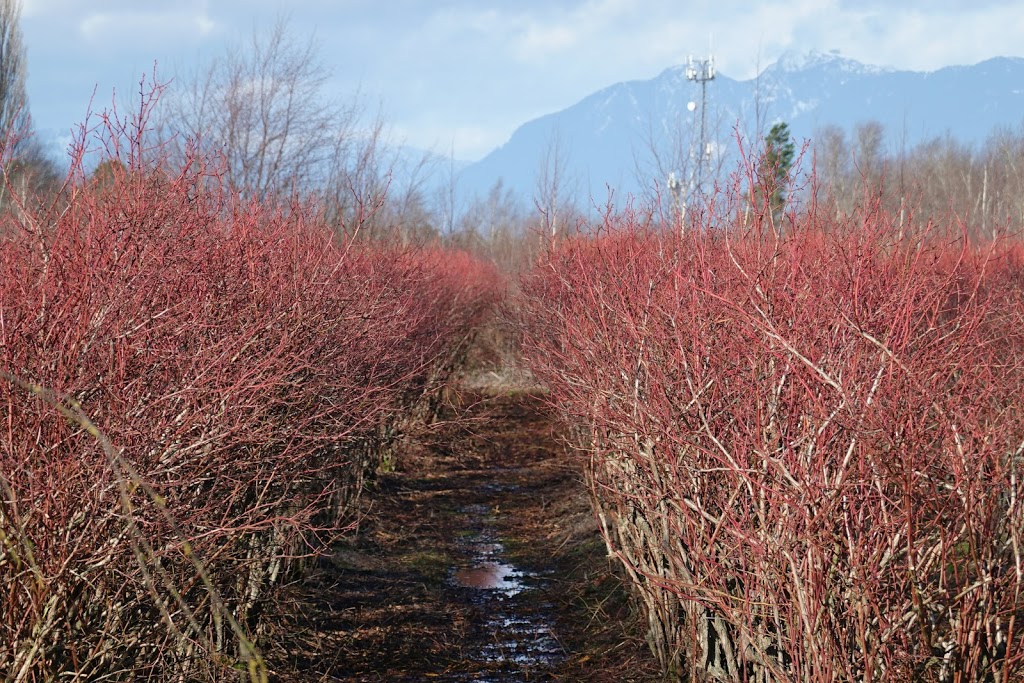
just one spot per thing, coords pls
(194, 390)
(242, 441)
(803, 437)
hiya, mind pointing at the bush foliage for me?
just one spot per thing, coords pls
(193, 390)
(805, 449)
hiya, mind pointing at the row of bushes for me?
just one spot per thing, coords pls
(192, 391)
(806, 450)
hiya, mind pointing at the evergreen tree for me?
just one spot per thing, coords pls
(777, 162)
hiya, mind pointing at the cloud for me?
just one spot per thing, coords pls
(540, 42)
(31, 7)
(466, 141)
(916, 35)
(145, 27)
(472, 71)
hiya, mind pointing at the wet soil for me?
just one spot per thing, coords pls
(477, 560)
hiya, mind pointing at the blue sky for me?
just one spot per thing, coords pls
(463, 74)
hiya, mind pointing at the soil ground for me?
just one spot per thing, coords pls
(478, 559)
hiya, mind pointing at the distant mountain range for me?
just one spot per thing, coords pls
(606, 139)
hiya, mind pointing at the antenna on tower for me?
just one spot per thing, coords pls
(700, 71)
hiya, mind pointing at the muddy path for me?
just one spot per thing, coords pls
(477, 560)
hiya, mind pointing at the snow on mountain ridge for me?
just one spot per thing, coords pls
(605, 138)
(793, 61)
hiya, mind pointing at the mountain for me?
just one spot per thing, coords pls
(605, 138)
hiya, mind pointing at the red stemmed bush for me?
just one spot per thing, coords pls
(193, 389)
(805, 449)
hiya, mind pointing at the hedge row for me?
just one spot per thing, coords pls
(193, 389)
(806, 450)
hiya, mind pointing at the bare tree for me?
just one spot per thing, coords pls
(667, 152)
(265, 109)
(1003, 176)
(409, 216)
(848, 168)
(761, 102)
(832, 165)
(13, 96)
(447, 196)
(671, 157)
(869, 151)
(494, 227)
(357, 179)
(27, 170)
(556, 192)
(940, 178)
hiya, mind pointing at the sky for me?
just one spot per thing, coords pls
(459, 76)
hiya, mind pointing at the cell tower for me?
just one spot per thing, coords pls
(702, 71)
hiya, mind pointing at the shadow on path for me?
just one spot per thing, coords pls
(478, 561)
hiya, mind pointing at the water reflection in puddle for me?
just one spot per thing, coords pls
(490, 576)
(519, 627)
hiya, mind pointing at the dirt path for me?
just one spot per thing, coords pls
(478, 561)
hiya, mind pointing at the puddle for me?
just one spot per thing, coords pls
(487, 571)
(516, 628)
(490, 576)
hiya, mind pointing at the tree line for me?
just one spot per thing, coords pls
(263, 107)
(981, 184)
